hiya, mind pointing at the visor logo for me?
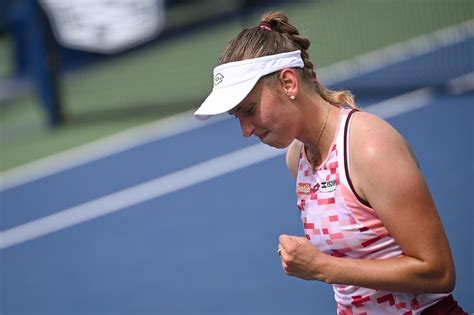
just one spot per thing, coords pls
(218, 79)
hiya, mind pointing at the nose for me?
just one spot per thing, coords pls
(247, 128)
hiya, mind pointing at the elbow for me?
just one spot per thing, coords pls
(439, 278)
(445, 281)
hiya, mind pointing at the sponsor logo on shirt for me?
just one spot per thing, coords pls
(328, 186)
(303, 189)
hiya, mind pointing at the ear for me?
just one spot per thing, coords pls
(289, 82)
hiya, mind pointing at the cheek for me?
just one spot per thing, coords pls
(273, 112)
(284, 127)
(284, 119)
(276, 114)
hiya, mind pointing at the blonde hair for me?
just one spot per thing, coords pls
(283, 37)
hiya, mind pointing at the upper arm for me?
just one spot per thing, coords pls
(387, 175)
(292, 157)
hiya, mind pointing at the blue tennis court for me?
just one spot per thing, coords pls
(189, 223)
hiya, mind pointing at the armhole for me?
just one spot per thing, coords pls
(347, 157)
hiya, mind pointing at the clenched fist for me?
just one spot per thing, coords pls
(300, 258)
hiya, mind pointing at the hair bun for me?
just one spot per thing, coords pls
(279, 22)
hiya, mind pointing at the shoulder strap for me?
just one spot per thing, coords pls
(346, 156)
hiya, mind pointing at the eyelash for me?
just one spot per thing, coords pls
(250, 111)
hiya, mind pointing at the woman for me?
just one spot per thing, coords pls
(372, 229)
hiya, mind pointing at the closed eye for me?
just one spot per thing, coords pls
(250, 110)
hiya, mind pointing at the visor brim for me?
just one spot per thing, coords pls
(222, 100)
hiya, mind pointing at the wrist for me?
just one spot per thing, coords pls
(323, 267)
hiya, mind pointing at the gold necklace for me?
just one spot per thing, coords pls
(313, 161)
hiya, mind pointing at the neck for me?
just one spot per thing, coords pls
(319, 131)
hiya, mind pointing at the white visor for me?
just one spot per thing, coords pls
(233, 81)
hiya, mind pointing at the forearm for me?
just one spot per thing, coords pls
(400, 274)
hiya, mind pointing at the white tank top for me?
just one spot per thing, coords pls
(341, 224)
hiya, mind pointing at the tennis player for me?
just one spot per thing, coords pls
(372, 229)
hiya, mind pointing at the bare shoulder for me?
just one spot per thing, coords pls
(380, 156)
(385, 174)
(292, 157)
(371, 138)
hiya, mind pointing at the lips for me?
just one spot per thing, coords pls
(263, 135)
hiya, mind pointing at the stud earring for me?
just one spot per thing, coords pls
(292, 97)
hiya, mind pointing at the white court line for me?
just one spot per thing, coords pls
(137, 194)
(181, 179)
(396, 53)
(462, 84)
(399, 105)
(104, 147)
(125, 140)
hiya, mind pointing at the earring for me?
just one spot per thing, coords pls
(292, 97)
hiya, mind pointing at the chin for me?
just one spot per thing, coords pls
(284, 145)
(276, 142)
(279, 145)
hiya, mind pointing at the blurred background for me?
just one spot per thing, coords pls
(78, 76)
(95, 94)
